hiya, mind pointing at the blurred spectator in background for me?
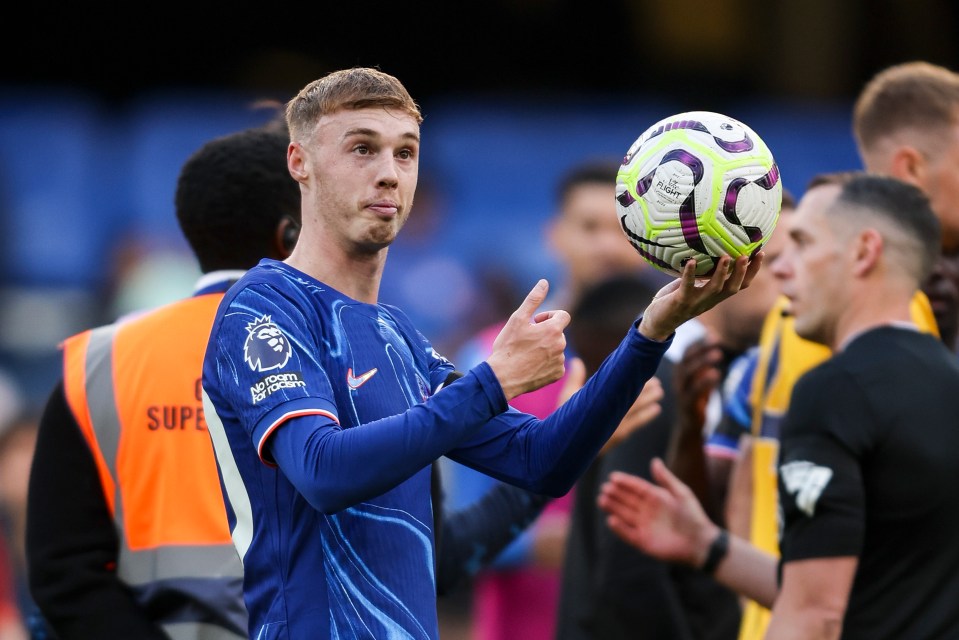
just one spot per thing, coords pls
(147, 277)
(11, 620)
(422, 259)
(707, 373)
(942, 289)
(18, 439)
(517, 597)
(610, 590)
(13, 592)
(906, 125)
(604, 580)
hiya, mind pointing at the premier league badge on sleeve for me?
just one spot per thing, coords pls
(266, 346)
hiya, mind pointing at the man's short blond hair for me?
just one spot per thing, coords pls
(920, 96)
(356, 88)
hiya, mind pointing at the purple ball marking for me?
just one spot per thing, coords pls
(690, 227)
(643, 184)
(769, 180)
(732, 196)
(687, 210)
(695, 125)
(625, 199)
(658, 262)
(679, 124)
(684, 157)
(754, 234)
(736, 146)
(698, 126)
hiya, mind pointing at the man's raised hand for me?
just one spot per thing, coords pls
(687, 296)
(664, 519)
(528, 353)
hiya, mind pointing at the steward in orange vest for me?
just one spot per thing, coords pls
(127, 534)
(134, 390)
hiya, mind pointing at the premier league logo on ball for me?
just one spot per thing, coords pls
(266, 347)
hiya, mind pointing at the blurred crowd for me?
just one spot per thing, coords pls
(458, 271)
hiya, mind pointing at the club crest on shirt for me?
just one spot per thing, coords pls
(266, 346)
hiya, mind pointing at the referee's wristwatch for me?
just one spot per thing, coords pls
(718, 549)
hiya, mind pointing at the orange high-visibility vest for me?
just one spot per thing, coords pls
(134, 389)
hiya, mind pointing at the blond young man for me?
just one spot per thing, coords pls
(327, 409)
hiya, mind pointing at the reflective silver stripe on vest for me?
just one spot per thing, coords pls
(101, 399)
(144, 569)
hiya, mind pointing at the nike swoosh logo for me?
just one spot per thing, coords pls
(356, 382)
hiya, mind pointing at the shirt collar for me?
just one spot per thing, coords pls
(217, 281)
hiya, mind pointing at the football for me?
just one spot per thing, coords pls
(697, 185)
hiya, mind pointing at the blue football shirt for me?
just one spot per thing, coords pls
(338, 543)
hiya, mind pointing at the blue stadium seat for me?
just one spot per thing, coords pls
(47, 144)
(163, 129)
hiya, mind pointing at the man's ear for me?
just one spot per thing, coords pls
(868, 248)
(909, 165)
(296, 162)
